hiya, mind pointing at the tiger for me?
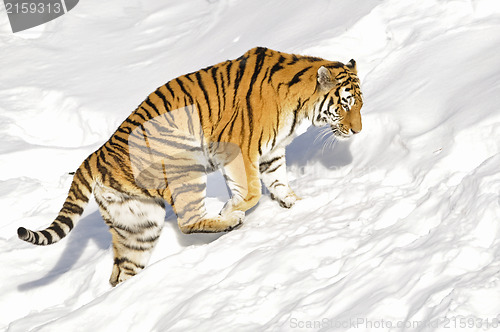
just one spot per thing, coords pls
(237, 116)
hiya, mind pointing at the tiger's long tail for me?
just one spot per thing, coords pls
(78, 197)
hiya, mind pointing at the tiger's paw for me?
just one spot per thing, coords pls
(123, 269)
(288, 201)
(234, 220)
(221, 223)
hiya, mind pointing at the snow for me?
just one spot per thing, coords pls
(398, 225)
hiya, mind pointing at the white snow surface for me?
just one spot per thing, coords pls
(398, 229)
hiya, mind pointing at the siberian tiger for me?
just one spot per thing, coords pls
(237, 116)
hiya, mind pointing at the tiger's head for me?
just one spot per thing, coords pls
(340, 99)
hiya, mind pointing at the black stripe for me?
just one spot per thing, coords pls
(296, 78)
(69, 207)
(155, 126)
(213, 72)
(76, 191)
(230, 122)
(330, 103)
(264, 166)
(166, 103)
(206, 69)
(47, 235)
(80, 177)
(275, 134)
(260, 141)
(126, 229)
(86, 165)
(223, 86)
(121, 260)
(183, 89)
(119, 233)
(276, 183)
(112, 148)
(342, 76)
(153, 106)
(239, 76)
(148, 239)
(124, 130)
(266, 75)
(148, 224)
(118, 185)
(295, 115)
(260, 50)
(59, 231)
(230, 131)
(65, 220)
(277, 67)
(312, 58)
(170, 89)
(273, 169)
(228, 72)
(36, 237)
(122, 145)
(259, 62)
(335, 65)
(139, 112)
(134, 247)
(205, 94)
(295, 59)
(102, 205)
(133, 122)
(148, 117)
(322, 103)
(101, 163)
(128, 270)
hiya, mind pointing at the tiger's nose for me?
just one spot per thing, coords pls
(354, 131)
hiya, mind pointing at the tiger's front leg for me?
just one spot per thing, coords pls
(242, 177)
(273, 174)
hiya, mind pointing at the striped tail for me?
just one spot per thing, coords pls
(78, 197)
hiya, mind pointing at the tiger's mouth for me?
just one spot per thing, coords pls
(340, 132)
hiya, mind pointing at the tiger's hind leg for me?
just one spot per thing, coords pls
(188, 198)
(135, 225)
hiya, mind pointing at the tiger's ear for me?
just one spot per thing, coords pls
(325, 79)
(352, 66)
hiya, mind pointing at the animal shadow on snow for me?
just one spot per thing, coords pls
(315, 146)
(90, 228)
(93, 229)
